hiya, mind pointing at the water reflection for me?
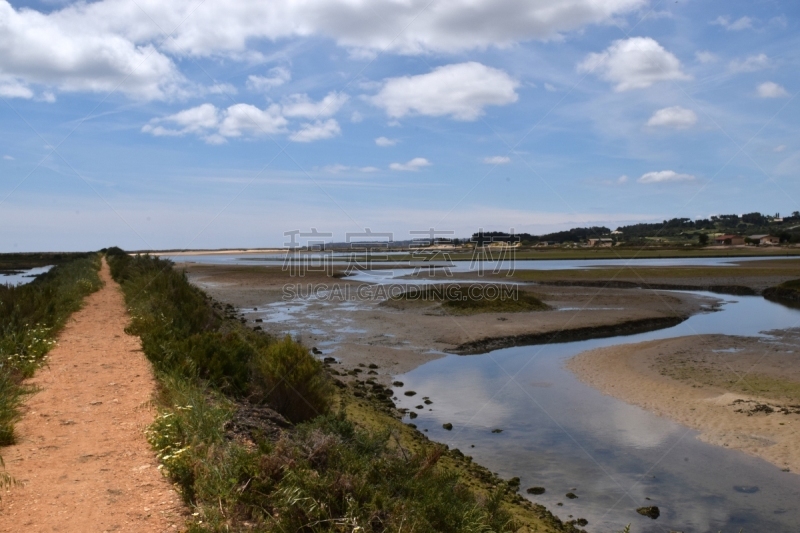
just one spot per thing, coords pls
(563, 435)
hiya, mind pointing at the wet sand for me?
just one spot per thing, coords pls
(739, 392)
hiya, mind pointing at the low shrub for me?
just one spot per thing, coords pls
(292, 381)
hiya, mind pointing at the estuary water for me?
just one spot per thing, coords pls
(563, 435)
(22, 277)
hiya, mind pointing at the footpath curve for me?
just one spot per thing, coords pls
(81, 455)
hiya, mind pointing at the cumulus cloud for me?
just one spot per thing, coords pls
(770, 89)
(665, 176)
(300, 105)
(622, 179)
(215, 125)
(634, 63)
(276, 77)
(497, 160)
(675, 117)
(317, 131)
(742, 23)
(780, 148)
(74, 52)
(122, 45)
(385, 141)
(750, 64)
(8, 158)
(222, 88)
(411, 166)
(13, 88)
(409, 27)
(460, 91)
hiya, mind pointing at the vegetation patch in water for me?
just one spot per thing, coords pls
(469, 299)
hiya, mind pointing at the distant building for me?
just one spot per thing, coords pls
(765, 240)
(729, 240)
(601, 242)
(616, 232)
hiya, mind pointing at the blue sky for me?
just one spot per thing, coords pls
(194, 124)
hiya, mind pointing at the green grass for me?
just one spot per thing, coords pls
(326, 473)
(470, 299)
(31, 316)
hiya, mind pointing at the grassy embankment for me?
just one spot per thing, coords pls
(342, 463)
(31, 316)
(456, 299)
(787, 293)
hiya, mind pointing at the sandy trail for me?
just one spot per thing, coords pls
(81, 455)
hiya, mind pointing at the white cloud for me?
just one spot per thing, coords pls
(411, 166)
(665, 176)
(742, 23)
(8, 158)
(338, 168)
(74, 51)
(48, 97)
(704, 56)
(550, 88)
(356, 117)
(385, 141)
(107, 45)
(780, 148)
(750, 64)
(245, 118)
(634, 63)
(11, 88)
(215, 126)
(300, 105)
(497, 160)
(673, 117)
(277, 77)
(317, 131)
(217, 27)
(460, 90)
(770, 89)
(622, 179)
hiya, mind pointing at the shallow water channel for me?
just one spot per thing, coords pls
(565, 436)
(22, 277)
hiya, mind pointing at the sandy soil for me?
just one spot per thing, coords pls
(362, 331)
(81, 457)
(739, 392)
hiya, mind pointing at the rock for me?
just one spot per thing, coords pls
(316, 351)
(258, 320)
(535, 490)
(412, 414)
(409, 393)
(514, 483)
(418, 407)
(571, 495)
(329, 360)
(448, 426)
(427, 402)
(582, 522)
(397, 383)
(373, 366)
(497, 431)
(649, 512)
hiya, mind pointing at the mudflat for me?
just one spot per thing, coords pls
(82, 459)
(738, 392)
(398, 337)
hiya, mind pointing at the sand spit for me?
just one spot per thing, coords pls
(738, 392)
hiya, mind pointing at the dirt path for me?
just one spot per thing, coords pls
(81, 454)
